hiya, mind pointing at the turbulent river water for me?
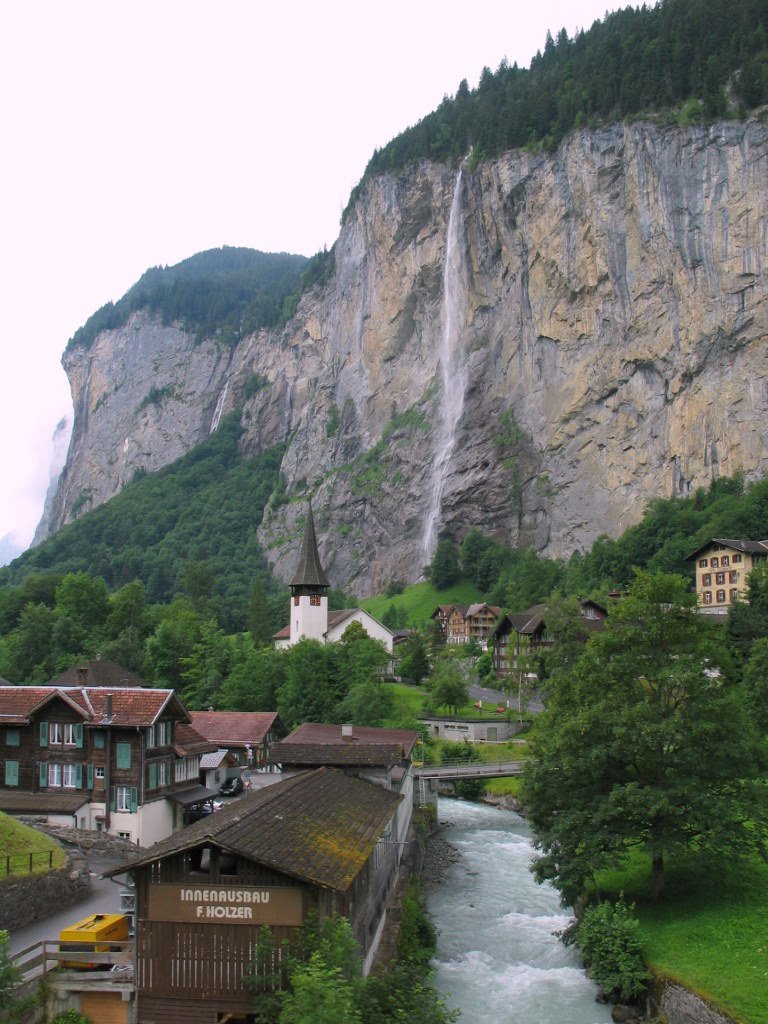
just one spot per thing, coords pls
(497, 960)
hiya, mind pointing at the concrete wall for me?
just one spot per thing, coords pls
(473, 731)
(24, 900)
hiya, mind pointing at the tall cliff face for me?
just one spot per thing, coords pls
(604, 307)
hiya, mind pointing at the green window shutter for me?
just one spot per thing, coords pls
(43, 734)
(98, 740)
(134, 799)
(112, 803)
(90, 776)
(78, 776)
(43, 774)
(153, 776)
(123, 755)
(12, 737)
(11, 773)
(79, 734)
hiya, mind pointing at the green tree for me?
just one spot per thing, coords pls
(414, 663)
(252, 685)
(259, 616)
(444, 569)
(447, 685)
(16, 1009)
(310, 691)
(756, 684)
(646, 743)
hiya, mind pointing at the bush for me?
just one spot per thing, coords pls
(609, 940)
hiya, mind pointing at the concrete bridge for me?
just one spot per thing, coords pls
(469, 770)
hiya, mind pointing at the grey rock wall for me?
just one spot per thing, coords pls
(33, 898)
(614, 327)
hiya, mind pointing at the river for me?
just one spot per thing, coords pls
(497, 959)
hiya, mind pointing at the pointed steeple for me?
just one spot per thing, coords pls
(309, 573)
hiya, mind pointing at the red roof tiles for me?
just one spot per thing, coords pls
(233, 728)
(315, 732)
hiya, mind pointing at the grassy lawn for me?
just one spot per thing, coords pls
(504, 787)
(18, 841)
(421, 599)
(711, 930)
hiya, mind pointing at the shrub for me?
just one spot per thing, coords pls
(609, 940)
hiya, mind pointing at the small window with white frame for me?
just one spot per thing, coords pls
(54, 774)
(122, 798)
(69, 776)
(151, 736)
(54, 733)
(70, 734)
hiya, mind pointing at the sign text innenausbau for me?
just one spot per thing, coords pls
(225, 904)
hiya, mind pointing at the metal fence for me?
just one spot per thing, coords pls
(25, 863)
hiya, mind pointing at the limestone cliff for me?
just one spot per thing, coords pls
(606, 307)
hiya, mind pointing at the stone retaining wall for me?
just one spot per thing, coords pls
(35, 897)
(679, 1005)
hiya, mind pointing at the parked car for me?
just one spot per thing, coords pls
(197, 811)
(231, 787)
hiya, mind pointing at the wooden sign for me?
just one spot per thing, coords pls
(226, 904)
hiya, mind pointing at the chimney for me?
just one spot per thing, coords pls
(108, 716)
(82, 675)
(347, 732)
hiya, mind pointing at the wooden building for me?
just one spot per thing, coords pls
(722, 568)
(319, 841)
(464, 622)
(107, 758)
(246, 735)
(527, 632)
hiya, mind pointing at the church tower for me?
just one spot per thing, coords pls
(309, 590)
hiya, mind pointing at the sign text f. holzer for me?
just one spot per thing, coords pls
(210, 904)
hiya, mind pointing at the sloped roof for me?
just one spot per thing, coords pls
(13, 802)
(130, 707)
(320, 827)
(369, 755)
(748, 547)
(187, 740)
(215, 758)
(335, 619)
(98, 673)
(309, 571)
(318, 732)
(474, 609)
(233, 728)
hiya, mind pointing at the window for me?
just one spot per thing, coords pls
(72, 734)
(11, 773)
(98, 774)
(707, 597)
(706, 579)
(314, 600)
(98, 740)
(125, 835)
(714, 563)
(733, 576)
(736, 559)
(69, 776)
(702, 563)
(122, 798)
(719, 577)
(724, 561)
(296, 600)
(54, 774)
(734, 595)
(721, 597)
(54, 732)
(12, 737)
(151, 736)
(162, 773)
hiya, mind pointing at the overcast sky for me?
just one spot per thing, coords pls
(138, 133)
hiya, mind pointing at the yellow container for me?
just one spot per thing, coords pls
(94, 934)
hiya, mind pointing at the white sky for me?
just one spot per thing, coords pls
(138, 133)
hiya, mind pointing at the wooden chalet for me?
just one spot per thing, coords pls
(529, 629)
(318, 841)
(114, 757)
(246, 735)
(464, 622)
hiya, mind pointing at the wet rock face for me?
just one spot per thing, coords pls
(614, 323)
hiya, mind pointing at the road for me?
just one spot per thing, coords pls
(533, 705)
(104, 900)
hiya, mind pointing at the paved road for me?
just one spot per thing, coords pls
(534, 705)
(104, 900)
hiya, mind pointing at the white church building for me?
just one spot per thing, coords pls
(310, 617)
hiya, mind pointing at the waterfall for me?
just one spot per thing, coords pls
(453, 366)
(219, 406)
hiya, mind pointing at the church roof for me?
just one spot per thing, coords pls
(309, 571)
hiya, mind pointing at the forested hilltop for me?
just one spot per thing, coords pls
(707, 57)
(220, 293)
